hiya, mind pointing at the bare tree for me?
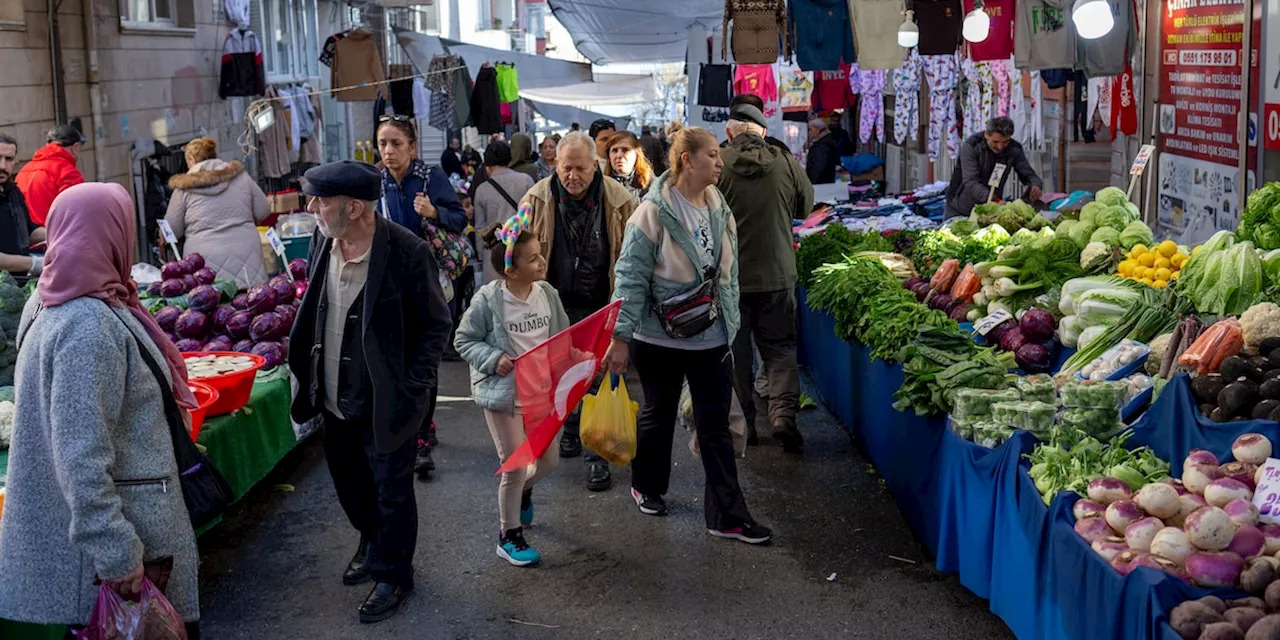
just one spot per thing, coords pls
(672, 89)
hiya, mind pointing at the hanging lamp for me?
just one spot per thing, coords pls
(1093, 18)
(977, 24)
(908, 32)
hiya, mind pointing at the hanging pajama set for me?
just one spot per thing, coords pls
(906, 106)
(942, 72)
(869, 85)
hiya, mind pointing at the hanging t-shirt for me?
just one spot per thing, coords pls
(831, 89)
(508, 83)
(1045, 36)
(794, 89)
(875, 32)
(1107, 56)
(528, 322)
(715, 85)
(940, 22)
(999, 42)
(758, 80)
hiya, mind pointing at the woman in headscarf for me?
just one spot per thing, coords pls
(93, 484)
(522, 156)
(628, 164)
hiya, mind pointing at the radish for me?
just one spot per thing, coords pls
(1224, 490)
(1253, 448)
(1159, 500)
(1171, 543)
(1210, 528)
(1140, 534)
(1122, 513)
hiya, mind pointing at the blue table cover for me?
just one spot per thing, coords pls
(979, 513)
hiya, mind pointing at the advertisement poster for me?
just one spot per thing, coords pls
(1198, 118)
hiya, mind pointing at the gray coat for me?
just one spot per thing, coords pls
(491, 208)
(217, 209)
(93, 486)
(977, 161)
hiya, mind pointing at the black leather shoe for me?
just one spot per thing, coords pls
(357, 571)
(598, 477)
(570, 446)
(423, 465)
(789, 437)
(383, 602)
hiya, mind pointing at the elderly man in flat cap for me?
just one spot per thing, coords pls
(365, 348)
(765, 187)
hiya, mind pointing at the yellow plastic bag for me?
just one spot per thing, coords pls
(609, 422)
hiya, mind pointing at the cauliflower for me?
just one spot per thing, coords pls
(1158, 348)
(6, 423)
(1259, 322)
(1094, 251)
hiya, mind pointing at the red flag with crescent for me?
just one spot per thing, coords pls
(553, 377)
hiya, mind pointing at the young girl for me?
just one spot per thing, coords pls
(508, 317)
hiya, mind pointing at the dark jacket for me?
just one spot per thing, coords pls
(522, 156)
(422, 178)
(451, 162)
(405, 322)
(15, 225)
(654, 151)
(765, 189)
(969, 179)
(770, 140)
(820, 163)
(242, 72)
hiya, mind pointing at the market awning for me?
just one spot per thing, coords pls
(608, 89)
(536, 72)
(614, 31)
(565, 116)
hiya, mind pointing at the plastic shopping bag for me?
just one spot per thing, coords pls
(151, 618)
(609, 422)
(737, 423)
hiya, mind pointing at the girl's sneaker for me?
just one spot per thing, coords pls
(513, 549)
(526, 507)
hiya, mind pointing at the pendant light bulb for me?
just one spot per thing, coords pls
(1093, 18)
(908, 32)
(977, 24)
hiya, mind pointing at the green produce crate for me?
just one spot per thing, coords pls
(296, 247)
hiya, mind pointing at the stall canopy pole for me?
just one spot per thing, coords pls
(1242, 119)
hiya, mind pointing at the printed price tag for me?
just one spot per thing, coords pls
(1267, 496)
(273, 239)
(985, 325)
(169, 237)
(996, 174)
(1140, 162)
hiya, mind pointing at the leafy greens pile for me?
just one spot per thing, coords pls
(831, 246)
(931, 248)
(1260, 222)
(1071, 459)
(941, 361)
(1224, 277)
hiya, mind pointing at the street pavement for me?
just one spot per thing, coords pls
(843, 563)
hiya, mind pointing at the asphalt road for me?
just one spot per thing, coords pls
(843, 563)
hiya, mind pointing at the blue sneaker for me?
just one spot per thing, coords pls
(526, 507)
(513, 549)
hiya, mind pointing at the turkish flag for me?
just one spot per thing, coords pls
(553, 377)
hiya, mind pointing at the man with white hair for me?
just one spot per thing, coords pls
(578, 216)
(765, 188)
(823, 155)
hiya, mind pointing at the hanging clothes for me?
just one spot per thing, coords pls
(330, 48)
(1108, 55)
(757, 26)
(237, 12)
(1045, 37)
(795, 89)
(1124, 107)
(356, 61)
(757, 80)
(940, 22)
(1083, 124)
(311, 151)
(242, 72)
(421, 100)
(508, 83)
(1017, 101)
(1093, 108)
(999, 42)
(1001, 72)
(715, 85)
(401, 89)
(485, 114)
(974, 115)
(302, 113)
(462, 90)
(1035, 132)
(943, 74)
(440, 72)
(1055, 78)
(273, 142)
(875, 33)
(441, 111)
(831, 90)
(870, 92)
(827, 35)
(906, 105)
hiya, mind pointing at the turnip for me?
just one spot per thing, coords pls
(1190, 617)
(1200, 456)
(1160, 564)
(1109, 547)
(1092, 529)
(1107, 490)
(1196, 477)
(1176, 484)
(1272, 533)
(1122, 513)
(1244, 617)
(1247, 541)
(1215, 569)
(1272, 595)
(1157, 499)
(1241, 471)
(1221, 631)
(1171, 543)
(1140, 534)
(1224, 490)
(1257, 574)
(1187, 504)
(1210, 528)
(1242, 512)
(1126, 561)
(1087, 509)
(1253, 448)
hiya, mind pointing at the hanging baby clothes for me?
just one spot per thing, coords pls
(974, 121)
(942, 73)
(508, 83)
(795, 90)
(987, 77)
(421, 100)
(906, 104)
(1000, 71)
(439, 81)
(461, 91)
(273, 142)
(441, 111)
(759, 81)
(1093, 111)
(757, 25)
(831, 90)
(870, 88)
(875, 33)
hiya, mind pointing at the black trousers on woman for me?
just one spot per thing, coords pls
(710, 374)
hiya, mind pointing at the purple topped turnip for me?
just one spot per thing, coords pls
(1243, 472)
(1253, 448)
(1108, 490)
(1224, 490)
(1196, 477)
(1087, 509)
(1242, 511)
(1171, 543)
(1247, 541)
(1139, 535)
(1122, 513)
(1215, 569)
(1109, 547)
(1187, 505)
(1157, 499)
(1093, 529)
(1200, 456)
(1210, 528)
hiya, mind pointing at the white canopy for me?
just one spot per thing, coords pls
(536, 72)
(615, 31)
(565, 116)
(608, 89)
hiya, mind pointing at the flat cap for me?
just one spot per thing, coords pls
(344, 178)
(748, 113)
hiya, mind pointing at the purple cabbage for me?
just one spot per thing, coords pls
(273, 351)
(220, 316)
(287, 313)
(205, 276)
(238, 324)
(189, 283)
(172, 288)
(1037, 325)
(220, 343)
(921, 290)
(1012, 340)
(187, 345)
(241, 301)
(173, 337)
(284, 289)
(243, 346)
(196, 261)
(940, 301)
(153, 289)
(262, 298)
(173, 270)
(1033, 358)
(267, 326)
(192, 324)
(284, 342)
(204, 298)
(167, 316)
(299, 288)
(298, 269)
(995, 335)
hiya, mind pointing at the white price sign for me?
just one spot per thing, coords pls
(1141, 161)
(997, 174)
(169, 237)
(985, 325)
(276, 245)
(1267, 496)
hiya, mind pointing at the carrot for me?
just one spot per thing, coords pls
(1217, 343)
(946, 275)
(967, 284)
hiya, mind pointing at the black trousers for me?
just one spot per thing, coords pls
(376, 492)
(710, 375)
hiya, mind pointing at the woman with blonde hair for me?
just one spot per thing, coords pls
(678, 279)
(628, 163)
(216, 206)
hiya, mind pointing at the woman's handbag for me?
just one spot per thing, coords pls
(451, 250)
(692, 312)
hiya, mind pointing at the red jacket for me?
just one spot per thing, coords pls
(50, 172)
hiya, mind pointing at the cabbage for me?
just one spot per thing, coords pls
(167, 316)
(1023, 236)
(1090, 212)
(262, 298)
(1039, 222)
(1111, 196)
(984, 214)
(172, 287)
(205, 276)
(273, 351)
(1134, 212)
(191, 324)
(284, 289)
(1081, 233)
(195, 261)
(1136, 233)
(267, 326)
(220, 343)
(243, 346)
(238, 324)
(298, 268)
(153, 289)
(204, 298)
(1011, 219)
(173, 270)
(1107, 236)
(1114, 217)
(961, 227)
(1022, 209)
(1103, 307)
(1066, 226)
(1089, 335)
(187, 345)
(219, 317)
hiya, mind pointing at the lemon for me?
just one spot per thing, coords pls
(1162, 263)
(1167, 248)
(1163, 273)
(1147, 259)
(1126, 267)
(1147, 281)
(1178, 259)
(1174, 275)
(1160, 284)
(1137, 250)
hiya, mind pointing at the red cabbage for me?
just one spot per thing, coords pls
(189, 283)
(241, 301)
(220, 343)
(1012, 340)
(940, 301)
(284, 289)
(262, 298)
(187, 345)
(172, 288)
(196, 261)
(238, 324)
(153, 289)
(267, 326)
(1037, 325)
(298, 269)
(191, 324)
(287, 313)
(219, 317)
(284, 342)
(1033, 358)
(272, 351)
(167, 316)
(205, 276)
(173, 270)
(960, 312)
(173, 337)
(204, 298)
(994, 336)
(243, 346)
(910, 283)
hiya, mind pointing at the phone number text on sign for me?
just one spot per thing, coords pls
(1209, 58)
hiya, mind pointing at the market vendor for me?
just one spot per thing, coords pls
(979, 155)
(17, 231)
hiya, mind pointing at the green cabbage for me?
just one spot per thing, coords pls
(1134, 212)
(1111, 196)
(1022, 236)
(1267, 236)
(1262, 206)
(1114, 217)
(984, 214)
(1136, 233)
(1024, 210)
(1065, 226)
(1107, 236)
(1090, 212)
(963, 227)
(1081, 233)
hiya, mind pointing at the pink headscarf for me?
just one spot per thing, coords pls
(91, 236)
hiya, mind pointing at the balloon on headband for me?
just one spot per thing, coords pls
(510, 231)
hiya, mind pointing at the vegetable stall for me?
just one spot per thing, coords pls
(1082, 413)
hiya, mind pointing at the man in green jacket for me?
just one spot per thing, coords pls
(765, 187)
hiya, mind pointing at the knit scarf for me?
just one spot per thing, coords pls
(577, 210)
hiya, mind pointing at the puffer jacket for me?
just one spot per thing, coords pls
(51, 171)
(658, 261)
(481, 340)
(216, 206)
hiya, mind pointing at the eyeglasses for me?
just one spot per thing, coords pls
(395, 118)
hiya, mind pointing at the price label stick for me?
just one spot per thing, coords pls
(278, 247)
(169, 237)
(997, 173)
(985, 325)
(1139, 166)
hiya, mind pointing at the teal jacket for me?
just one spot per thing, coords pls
(482, 339)
(657, 262)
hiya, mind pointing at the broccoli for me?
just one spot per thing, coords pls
(12, 298)
(9, 324)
